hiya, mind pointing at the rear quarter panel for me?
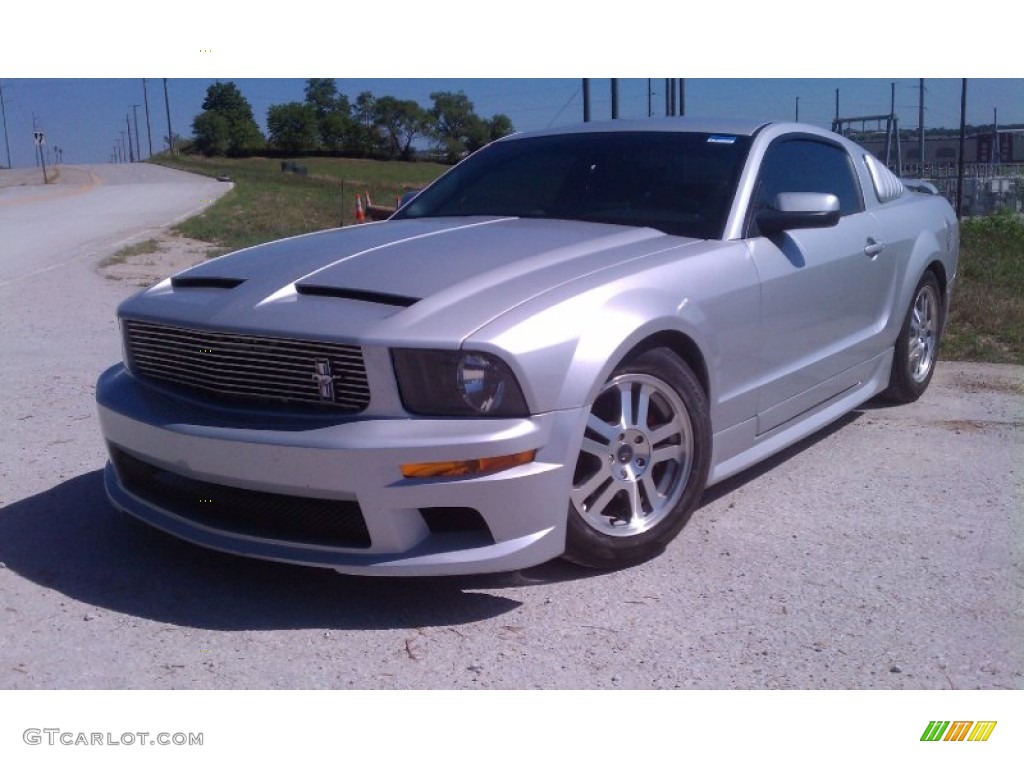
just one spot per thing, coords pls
(921, 232)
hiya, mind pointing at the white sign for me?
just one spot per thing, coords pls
(40, 138)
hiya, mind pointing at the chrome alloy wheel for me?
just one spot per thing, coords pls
(924, 333)
(636, 456)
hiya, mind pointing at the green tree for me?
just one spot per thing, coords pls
(451, 118)
(212, 133)
(458, 130)
(292, 127)
(400, 122)
(225, 101)
(365, 137)
(335, 131)
(333, 113)
(322, 95)
(499, 125)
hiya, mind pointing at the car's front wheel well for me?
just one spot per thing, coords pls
(683, 346)
(939, 271)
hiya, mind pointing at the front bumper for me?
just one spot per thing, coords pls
(355, 463)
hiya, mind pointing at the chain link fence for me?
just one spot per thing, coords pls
(987, 187)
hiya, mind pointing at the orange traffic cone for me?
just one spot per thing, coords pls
(367, 193)
(360, 214)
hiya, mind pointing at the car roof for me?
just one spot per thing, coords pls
(735, 127)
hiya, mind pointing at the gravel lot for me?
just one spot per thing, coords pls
(885, 552)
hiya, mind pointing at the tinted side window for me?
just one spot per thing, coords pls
(804, 165)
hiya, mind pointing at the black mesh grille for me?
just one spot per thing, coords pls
(265, 515)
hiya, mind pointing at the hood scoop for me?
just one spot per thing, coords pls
(371, 297)
(197, 281)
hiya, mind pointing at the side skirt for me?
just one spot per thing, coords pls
(740, 447)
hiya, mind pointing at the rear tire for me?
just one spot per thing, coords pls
(643, 463)
(917, 346)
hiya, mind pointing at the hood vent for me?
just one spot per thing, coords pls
(227, 283)
(372, 297)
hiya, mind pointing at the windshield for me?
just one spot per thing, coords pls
(679, 183)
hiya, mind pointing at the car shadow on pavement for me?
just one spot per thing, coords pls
(730, 484)
(70, 539)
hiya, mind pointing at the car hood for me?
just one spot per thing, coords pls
(417, 282)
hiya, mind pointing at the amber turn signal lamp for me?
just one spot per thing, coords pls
(470, 467)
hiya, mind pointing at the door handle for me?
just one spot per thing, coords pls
(873, 248)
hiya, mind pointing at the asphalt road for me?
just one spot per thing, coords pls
(884, 552)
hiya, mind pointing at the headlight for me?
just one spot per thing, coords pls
(457, 383)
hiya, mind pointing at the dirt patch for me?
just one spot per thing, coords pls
(170, 254)
(1005, 379)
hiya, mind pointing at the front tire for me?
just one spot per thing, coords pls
(917, 346)
(642, 465)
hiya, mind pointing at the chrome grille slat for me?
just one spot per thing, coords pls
(267, 384)
(246, 369)
(271, 348)
(269, 395)
(218, 368)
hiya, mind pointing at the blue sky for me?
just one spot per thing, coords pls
(76, 71)
(85, 117)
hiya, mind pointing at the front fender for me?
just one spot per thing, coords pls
(565, 347)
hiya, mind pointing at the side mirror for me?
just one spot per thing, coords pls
(799, 210)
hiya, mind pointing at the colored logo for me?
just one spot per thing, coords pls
(958, 730)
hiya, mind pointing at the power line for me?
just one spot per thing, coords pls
(565, 106)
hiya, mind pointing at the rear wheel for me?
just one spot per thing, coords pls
(917, 346)
(642, 465)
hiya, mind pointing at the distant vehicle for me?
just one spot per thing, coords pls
(550, 351)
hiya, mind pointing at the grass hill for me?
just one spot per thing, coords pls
(268, 203)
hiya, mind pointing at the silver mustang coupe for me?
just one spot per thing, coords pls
(550, 351)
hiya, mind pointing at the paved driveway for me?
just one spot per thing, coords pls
(884, 552)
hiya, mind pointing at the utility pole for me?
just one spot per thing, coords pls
(40, 139)
(682, 96)
(920, 126)
(648, 97)
(615, 98)
(138, 139)
(960, 161)
(167, 106)
(131, 152)
(42, 159)
(995, 137)
(122, 146)
(149, 129)
(837, 105)
(586, 100)
(3, 111)
(890, 128)
(796, 116)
